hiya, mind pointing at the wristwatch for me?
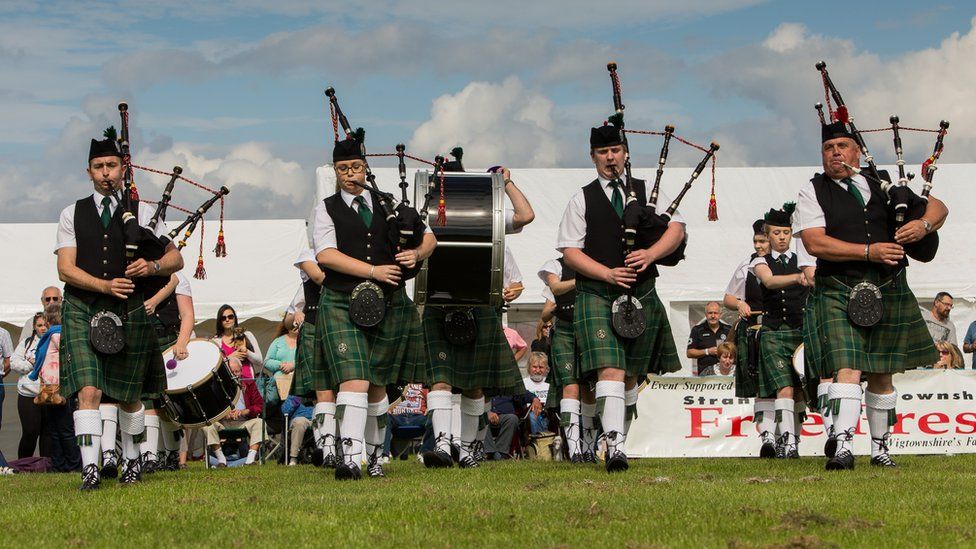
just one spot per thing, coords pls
(928, 226)
(156, 267)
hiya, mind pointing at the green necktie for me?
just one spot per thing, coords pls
(851, 188)
(106, 212)
(364, 213)
(617, 201)
(782, 260)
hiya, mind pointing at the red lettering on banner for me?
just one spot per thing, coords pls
(737, 422)
(926, 422)
(697, 421)
(814, 420)
(968, 419)
(899, 427)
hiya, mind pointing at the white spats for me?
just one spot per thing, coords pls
(846, 401)
(133, 427)
(880, 409)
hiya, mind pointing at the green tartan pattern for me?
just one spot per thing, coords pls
(899, 342)
(600, 347)
(389, 353)
(776, 348)
(308, 378)
(127, 376)
(746, 374)
(564, 363)
(487, 363)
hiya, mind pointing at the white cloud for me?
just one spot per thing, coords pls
(495, 124)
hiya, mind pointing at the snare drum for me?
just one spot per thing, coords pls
(200, 390)
(467, 267)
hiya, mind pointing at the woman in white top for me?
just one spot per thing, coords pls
(31, 415)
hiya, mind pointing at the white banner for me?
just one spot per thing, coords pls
(700, 417)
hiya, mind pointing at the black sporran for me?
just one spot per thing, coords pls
(627, 317)
(865, 306)
(367, 306)
(460, 327)
(107, 334)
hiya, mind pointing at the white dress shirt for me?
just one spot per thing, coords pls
(737, 285)
(809, 214)
(323, 227)
(512, 273)
(66, 223)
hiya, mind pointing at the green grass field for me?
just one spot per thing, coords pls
(927, 501)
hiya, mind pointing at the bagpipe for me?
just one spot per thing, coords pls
(643, 224)
(142, 242)
(406, 226)
(903, 203)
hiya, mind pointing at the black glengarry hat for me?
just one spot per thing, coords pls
(780, 218)
(757, 226)
(605, 136)
(106, 147)
(350, 148)
(454, 165)
(833, 131)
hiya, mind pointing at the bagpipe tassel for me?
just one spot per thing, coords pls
(712, 209)
(441, 214)
(221, 248)
(134, 193)
(201, 273)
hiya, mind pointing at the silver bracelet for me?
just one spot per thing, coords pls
(371, 269)
(867, 252)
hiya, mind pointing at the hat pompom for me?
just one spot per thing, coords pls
(457, 153)
(110, 133)
(617, 119)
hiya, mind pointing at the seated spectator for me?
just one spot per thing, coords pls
(246, 415)
(503, 423)
(542, 342)
(50, 295)
(726, 359)
(705, 338)
(937, 319)
(280, 359)
(238, 344)
(536, 384)
(409, 410)
(301, 419)
(949, 357)
(31, 414)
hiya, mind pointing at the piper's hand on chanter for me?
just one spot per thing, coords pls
(119, 287)
(408, 258)
(745, 311)
(139, 267)
(621, 276)
(389, 274)
(913, 231)
(639, 259)
(888, 253)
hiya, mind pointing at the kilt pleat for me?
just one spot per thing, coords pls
(133, 374)
(389, 353)
(776, 349)
(600, 347)
(487, 363)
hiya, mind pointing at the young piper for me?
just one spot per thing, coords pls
(92, 263)
(591, 241)
(351, 241)
(311, 381)
(784, 293)
(744, 294)
(844, 222)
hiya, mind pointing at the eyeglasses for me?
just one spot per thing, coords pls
(946, 305)
(228, 317)
(54, 299)
(943, 352)
(355, 168)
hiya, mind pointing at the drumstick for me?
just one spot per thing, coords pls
(518, 288)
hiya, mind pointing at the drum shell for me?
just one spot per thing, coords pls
(467, 267)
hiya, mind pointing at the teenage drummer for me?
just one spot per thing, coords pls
(478, 366)
(784, 293)
(99, 282)
(384, 345)
(591, 241)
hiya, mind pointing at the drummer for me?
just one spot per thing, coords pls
(784, 293)
(309, 380)
(351, 242)
(171, 313)
(484, 367)
(744, 294)
(591, 241)
(98, 279)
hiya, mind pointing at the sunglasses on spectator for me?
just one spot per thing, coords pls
(228, 317)
(54, 299)
(943, 352)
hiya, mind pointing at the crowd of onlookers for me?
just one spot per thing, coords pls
(266, 410)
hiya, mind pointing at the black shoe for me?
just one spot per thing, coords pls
(617, 462)
(577, 458)
(478, 451)
(173, 460)
(455, 451)
(110, 465)
(882, 460)
(131, 472)
(149, 463)
(436, 459)
(318, 457)
(792, 452)
(468, 462)
(346, 471)
(90, 479)
(768, 450)
(830, 447)
(842, 460)
(589, 456)
(373, 467)
(330, 461)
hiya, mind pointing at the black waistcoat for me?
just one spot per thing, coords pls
(604, 240)
(368, 244)
(786, 304)
(100, 251)
(846, 220)
(566, 303)
(312, 292)
(753, 290)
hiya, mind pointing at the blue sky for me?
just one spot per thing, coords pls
(232, 89)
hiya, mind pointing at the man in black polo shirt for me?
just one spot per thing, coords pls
(705, 338)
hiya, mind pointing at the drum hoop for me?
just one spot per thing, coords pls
(798, 353)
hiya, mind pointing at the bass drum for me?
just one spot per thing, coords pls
(798, 364)
(467, 267)
(200, 390)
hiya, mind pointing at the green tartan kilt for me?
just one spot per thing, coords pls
(600, 347)
(390, 353)
(899, 342)
(487, 363)
(564, 362)
(134, 373)
(776, 349)
(165, 342)
(308, 378)
(746, 371)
